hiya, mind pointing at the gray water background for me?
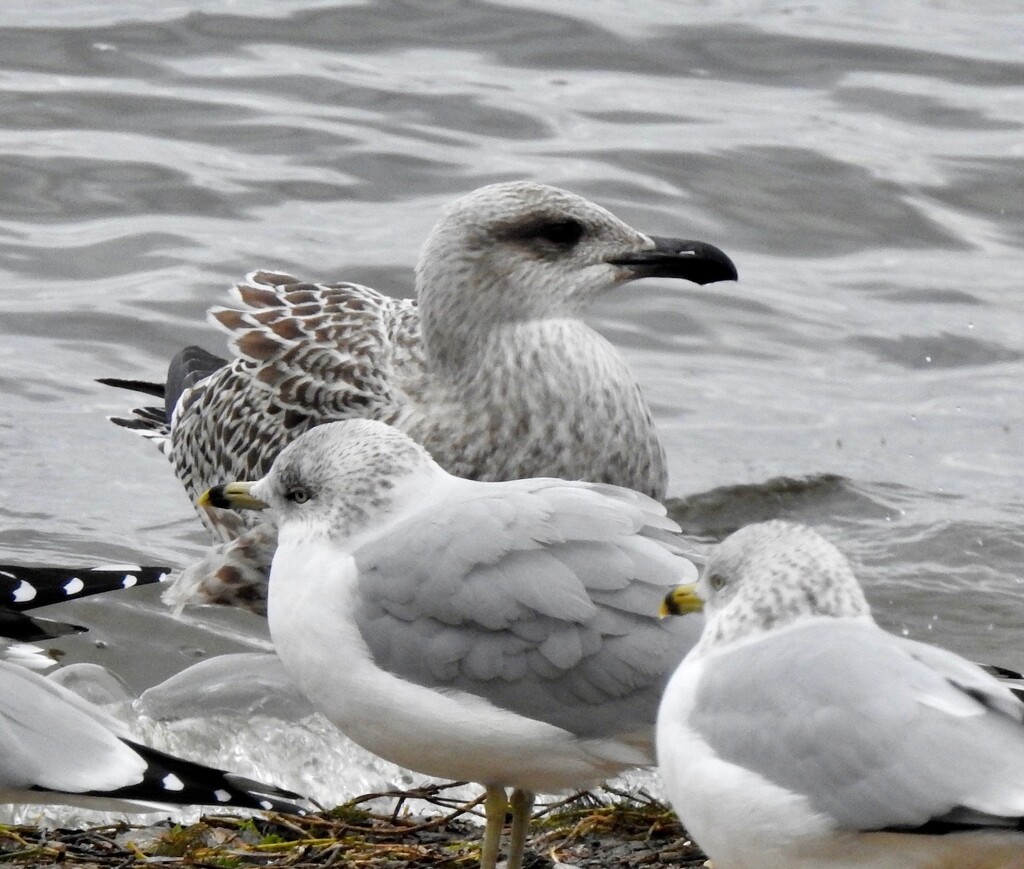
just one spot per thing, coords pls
(862, 162)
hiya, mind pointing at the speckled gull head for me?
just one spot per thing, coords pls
(765, 576)
(531, 252)
(363, 465)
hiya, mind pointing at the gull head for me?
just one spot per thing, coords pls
(335, 480)
(520, 251)
(766, 576)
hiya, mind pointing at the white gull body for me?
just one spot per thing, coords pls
(503, 633)
(492, 368)
(799, 735)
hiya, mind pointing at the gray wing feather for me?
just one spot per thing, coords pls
(522, 585)
(876, 731)
(539, 595)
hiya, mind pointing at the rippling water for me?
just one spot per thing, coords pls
(861, 162)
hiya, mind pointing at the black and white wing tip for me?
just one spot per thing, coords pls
(170, 779)
(24, 588)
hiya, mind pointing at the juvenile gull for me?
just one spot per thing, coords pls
(799, 734)
(57, 748)
(491, 368)
(497, 632)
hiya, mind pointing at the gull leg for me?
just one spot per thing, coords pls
(522, 808)
(495, 806)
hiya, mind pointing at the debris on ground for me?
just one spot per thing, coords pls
(610, 830)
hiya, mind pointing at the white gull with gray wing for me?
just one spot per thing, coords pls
(800, 735)
(503, 633)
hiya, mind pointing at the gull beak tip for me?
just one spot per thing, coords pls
(231, 496)
(680, 601)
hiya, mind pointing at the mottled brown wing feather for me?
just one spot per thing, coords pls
(304, 354)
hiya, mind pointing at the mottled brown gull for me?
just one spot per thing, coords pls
(498, 632)
(57, 748)
(491, 368)
(800, 735)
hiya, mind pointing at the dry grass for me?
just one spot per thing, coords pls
(586, 830)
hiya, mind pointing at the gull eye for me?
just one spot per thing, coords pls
(564, 233)
(716, 581)
(297, 495)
